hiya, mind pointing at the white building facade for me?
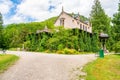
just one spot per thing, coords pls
(72, 22)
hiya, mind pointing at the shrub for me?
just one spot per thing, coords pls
(47, 51)
(60, 52)
(60, 46)
(27, 45)
(70, 51)
(52, 43)
(116, 47)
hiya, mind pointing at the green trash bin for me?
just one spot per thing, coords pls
(101, 53)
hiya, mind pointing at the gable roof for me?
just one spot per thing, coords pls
(74, 16)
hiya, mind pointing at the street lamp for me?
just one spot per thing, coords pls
(103, 37)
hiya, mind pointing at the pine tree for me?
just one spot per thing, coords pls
(100, 21)
(116, 24)
(1, 32)
(95, 42)
(4, 41)
(1, 22)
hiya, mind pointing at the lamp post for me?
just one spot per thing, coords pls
(103, 37)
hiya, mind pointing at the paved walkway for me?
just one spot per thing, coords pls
(42, 66)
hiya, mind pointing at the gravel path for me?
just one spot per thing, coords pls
(34, 66)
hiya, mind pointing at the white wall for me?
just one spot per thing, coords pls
(70, 22)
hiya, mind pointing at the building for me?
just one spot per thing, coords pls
(72, 21)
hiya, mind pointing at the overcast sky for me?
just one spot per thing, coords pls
(17, 11)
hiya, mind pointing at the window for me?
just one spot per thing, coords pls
(83, 27)
(62, 20)
(78, 23)
(72, 20)
(80, 26)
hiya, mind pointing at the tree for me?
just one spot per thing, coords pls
(1, 30)
(116, 23)
(1, 22)
(100, 21)
(116, 47)
(4, 42)
(95, 42)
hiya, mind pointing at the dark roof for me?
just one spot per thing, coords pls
(75, 16)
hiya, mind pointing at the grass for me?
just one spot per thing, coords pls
(107, 68)
(6, 60)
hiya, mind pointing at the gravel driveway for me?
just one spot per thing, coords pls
(42, 66)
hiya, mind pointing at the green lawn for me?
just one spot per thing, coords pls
(7, 60)
(104, 69)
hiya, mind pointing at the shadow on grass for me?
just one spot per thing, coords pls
(117, 54)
